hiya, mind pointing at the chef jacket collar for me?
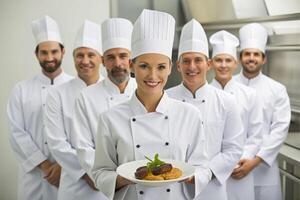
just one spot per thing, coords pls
(200, 93)
(247, 81)
(47, 81)
(114, 89)
(139, 109)
(228, 87)
(80, 82)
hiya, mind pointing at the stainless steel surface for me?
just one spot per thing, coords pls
(283, 66)
(283, 48)
(237, 23)
(293, 140)
(290, 176)
(289, 165)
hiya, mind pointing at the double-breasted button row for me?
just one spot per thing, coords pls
(134, 119)
(142, 192)
(138, 146)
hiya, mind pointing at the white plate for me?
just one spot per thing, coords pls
(127, 171)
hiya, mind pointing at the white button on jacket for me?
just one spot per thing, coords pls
(276, 118)
(25, 113)
(127, 132)
(59, 110)
(252, 117)
(91, 102)
(223, 130)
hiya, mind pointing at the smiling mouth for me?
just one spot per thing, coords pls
(85, 67)
(223, 71)
(152, 83)
(251, 63)
(50, 64)
(192, 73)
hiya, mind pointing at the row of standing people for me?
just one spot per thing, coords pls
(225, 135)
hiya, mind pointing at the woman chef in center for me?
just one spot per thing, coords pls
(150, 122)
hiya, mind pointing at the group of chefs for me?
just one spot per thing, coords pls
(70, 134)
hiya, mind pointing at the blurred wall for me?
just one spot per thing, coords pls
(18, 61)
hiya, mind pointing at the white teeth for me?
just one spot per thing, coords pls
(151, 83)
(192, 73)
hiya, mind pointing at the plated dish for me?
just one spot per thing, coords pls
(179, 172)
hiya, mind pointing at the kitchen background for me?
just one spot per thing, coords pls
(281, 18)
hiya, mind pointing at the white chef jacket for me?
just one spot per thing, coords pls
(25, 113)
(59, 110)
(127, 132)
(91, 102)
(252, 117)
(224, 132)
(276, 118)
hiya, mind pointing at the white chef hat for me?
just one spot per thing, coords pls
(45, 29)
(224, 43)
(116, 33)
(193, 39)
(89, 35)
(254, 36)
(153, 32)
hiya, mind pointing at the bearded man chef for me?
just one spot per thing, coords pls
(39, 172)
(75, 183)
(224, 62)
(276, 111)
(222, 123)
(118, 87)
(150, 122)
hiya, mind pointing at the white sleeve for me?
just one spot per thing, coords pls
(58, 141)
(279, 126)
(231, 150)
(27, 152)
(81, 135)
(105, 165)
(254, 128)
(197, 155)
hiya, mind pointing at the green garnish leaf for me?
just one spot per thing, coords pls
(156, 162)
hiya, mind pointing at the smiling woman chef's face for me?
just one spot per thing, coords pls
(151, 72)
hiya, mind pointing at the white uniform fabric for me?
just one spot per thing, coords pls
(224, 42)
(89, 36)
(276, 120)
(153, 32)
(91, 102)
(252, 117)
(116, 33)
(45, 29)
(224, 132)
(59, 110)
(127, 133)
(253, 35)
(193, 39)
(25, 113)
